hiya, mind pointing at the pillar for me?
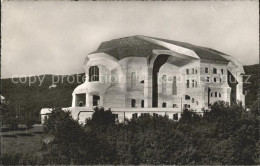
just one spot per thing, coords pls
(148, 88)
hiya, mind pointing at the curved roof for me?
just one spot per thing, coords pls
(142, 46)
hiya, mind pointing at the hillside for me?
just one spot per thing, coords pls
(26, 97)
(34, 97)
(251, 88)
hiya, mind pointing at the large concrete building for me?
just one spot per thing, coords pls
(139, 74)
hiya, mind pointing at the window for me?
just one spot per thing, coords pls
(215, 79)
(175, 116)
(216, 94)
(207, 79)
(174, 106)
(133, 79)
(116, 116)
(96, 100)
(214, 71)
(174, 86)
(145, 114)
(206, 70)
(211, 94)
(93, 73)
(133, 102)
(134, 116)
(163, 105)
(222, 71)
(196, 84)
(193, 71)
(155, 115)
(142, 103)
(219, 94)
(197, 102)
(142, 82)
(188, 83)
(164, 84)
(193, 100)
(193, 83)
(220, 80)
(187, 97)
(186, 106)
(196, 71)
(187, 71)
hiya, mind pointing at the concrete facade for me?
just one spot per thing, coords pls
(142, 74)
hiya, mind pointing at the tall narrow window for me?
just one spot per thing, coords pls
(187, 71)
(164, 84)
(219, 94)
(188, 83)
(134, 116)
(193, 83)
(142, 104)
(216, 94)
(174, 86)
(133, 79)
(192, 71)
(93, 74)
(193, 100)
(214, 71)
(96, 100)
(196, 84)
(196, 71)
(215, 79)
(133, 103)
(220, 80)
(222, 71)
(206, 70)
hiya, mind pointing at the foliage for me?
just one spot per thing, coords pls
(224, 135)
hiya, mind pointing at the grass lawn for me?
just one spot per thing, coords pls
(21, 141)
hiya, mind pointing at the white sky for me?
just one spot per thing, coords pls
(51, 37)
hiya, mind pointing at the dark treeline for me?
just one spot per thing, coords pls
(225, 135)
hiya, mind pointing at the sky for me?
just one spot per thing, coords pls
(51, 37)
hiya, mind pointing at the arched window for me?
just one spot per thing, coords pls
(206, 70)
(187, 97)
(93, 74)
(193, 83)
(216, 94)
(215, 79)
(174, 86)
(164, 84)
(133, 102)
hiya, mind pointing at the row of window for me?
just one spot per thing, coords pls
(215, 71)
(135, 115)
(164, 105)
(216, 94)
(193, 83)
(215, 79)
(193, 71)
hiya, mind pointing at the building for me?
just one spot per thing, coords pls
(140, 75)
